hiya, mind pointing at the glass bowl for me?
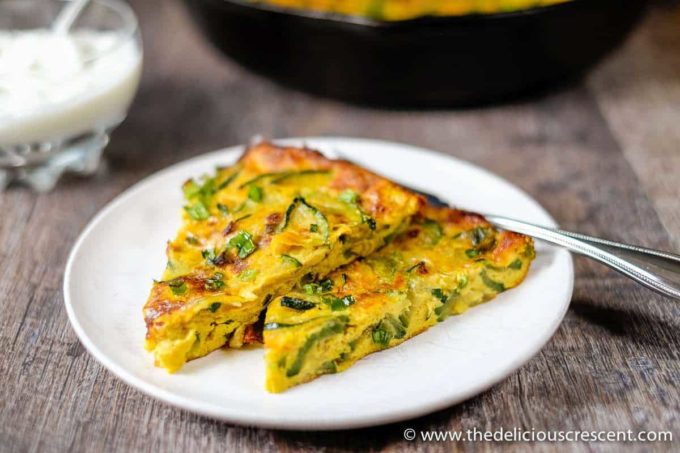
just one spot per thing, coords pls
(62, 94)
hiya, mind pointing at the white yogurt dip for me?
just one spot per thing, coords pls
(55, 87)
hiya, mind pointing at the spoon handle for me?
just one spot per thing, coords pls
(657, 270)
(68, 15)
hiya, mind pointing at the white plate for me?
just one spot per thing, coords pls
(112, 265)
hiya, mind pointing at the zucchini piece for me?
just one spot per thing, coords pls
(294, 174)
(334, 326)
(493, 284)
(300, 205)
(297, 304)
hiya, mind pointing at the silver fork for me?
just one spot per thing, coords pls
(654, 269)
(657, 270)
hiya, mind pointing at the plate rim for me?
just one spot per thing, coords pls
(215, 412)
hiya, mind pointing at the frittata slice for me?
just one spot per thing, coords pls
(446, 262)
(251, 231)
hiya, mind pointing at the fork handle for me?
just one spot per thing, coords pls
(657, 270)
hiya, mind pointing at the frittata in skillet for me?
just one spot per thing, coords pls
(395, 10)
(251, 231)
(446, 262)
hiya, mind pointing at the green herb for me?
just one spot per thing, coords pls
(352, 198)
(228, 180)
(191, 240)
(472, 253)
(291, 260)
(259, 178)
(223, 209)
(197, 211)
(255, 193)
(349, 253)
(239, 208)
(301, 205)
(328, 368)
(365, 218)
(297, 304)
(433, 231)
(333, 327)
(200, 196)
(336, 303)
(294, 174)
(517, 264)
(439, 294)
(322, 286)
(314, 228)
(190, 189)
(178, 286)
(209, 255)
(390, 327)
(478, 235)
(247, 275)
(282, 325)
(215, 282)
(349, 196)
(243, 242)
(214, 306)
(496, 286)
(381, 336)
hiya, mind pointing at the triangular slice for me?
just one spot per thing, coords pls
(254, 229)
(446, 262)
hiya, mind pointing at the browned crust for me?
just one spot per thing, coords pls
(264, 158)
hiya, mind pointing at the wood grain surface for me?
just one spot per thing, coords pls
(602, 156)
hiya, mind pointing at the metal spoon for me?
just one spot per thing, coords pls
(657, 270)
(68, 15)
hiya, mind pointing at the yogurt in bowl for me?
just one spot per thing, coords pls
(58, 86)
(61, 94)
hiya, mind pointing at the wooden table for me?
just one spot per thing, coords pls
(603, 157)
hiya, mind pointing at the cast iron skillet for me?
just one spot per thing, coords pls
(424, 62)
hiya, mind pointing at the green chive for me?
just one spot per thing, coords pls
(291, 260)
(255, 193)
(247, 275)
(243, 242)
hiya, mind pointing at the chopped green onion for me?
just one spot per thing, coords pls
(243, 242)
(255, 193)
(247, 275)
(228, 180)
(349, 196)
(517, 264)
(439, 294)
(472, 253)
(215, 282)
(178, 286)
(214, 306)
(223, 209)
(197, 211)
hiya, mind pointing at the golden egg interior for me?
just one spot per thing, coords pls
(251, 231)
(445, 262)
